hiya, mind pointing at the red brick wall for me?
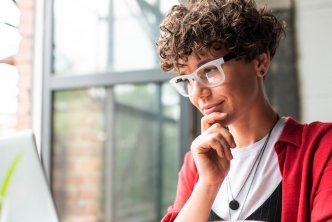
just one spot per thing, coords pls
(24, 61)
(78, 168)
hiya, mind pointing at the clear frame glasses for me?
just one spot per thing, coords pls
(209, 74)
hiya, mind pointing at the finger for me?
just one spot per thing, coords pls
(217, 127)
(212, 118)
(225, 146)
(217, 143)
(228, 153)
(204, 143)
(221, 147)
(229, 138)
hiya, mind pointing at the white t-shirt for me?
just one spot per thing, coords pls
(266, 180)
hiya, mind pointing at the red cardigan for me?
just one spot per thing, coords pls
(304, 154)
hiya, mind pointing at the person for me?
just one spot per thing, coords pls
(248, 163)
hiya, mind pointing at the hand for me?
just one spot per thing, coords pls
(211, 150)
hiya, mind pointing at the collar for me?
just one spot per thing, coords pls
(292, 132)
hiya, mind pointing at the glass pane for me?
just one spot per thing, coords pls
(144, 157)
(170, 146)
(78, 147)
(103, 35)
(130, 46)
(136, 29)
(144, 136)
(80, 36)
(137, 97)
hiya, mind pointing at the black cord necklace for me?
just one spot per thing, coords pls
(234, 204)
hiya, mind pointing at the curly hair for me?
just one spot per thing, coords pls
(238, 26)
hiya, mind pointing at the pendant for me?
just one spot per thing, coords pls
(234, 204)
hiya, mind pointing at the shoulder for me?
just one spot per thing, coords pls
(297, 133)
(304, 146)
(305, 138)
(318, 126)
(318, 132)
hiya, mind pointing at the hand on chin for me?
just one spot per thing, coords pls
(212, 118)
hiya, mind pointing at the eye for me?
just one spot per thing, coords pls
(209, 70)
(206, 72)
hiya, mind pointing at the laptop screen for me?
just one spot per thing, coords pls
(24, 191)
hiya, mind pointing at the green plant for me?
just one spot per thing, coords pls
(10, 172)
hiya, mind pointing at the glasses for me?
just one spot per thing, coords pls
(210, 75)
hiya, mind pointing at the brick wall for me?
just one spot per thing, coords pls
(78, 168)
(24, 61)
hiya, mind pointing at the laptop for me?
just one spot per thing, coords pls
(24, 192)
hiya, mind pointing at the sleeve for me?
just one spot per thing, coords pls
(322, 207)
(187, 179)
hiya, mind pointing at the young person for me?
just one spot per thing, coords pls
(248, 163)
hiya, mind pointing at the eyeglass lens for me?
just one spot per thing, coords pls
(208, 75)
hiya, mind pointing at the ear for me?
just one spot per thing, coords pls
(262, 64)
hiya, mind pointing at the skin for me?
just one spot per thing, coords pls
(241, 104)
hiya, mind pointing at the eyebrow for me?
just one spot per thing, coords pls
(202, 62)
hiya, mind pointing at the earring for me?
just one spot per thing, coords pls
(262, 73)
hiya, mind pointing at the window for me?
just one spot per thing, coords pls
(111, 132)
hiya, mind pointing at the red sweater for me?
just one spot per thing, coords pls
(304, 154)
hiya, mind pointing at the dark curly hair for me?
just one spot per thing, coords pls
(238, 26)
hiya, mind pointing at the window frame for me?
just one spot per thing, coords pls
(52, 83)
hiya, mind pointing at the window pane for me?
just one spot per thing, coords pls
(78, 147)
(136, 28)
(144, 159)
(170, 145)
(134, 36)
(80, 36)
(101, 36)
(137, 97)
(142, 174)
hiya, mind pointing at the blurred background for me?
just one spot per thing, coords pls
(112, 133)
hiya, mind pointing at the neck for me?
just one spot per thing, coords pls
(253, 125)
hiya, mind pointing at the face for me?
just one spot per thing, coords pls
(236, 96)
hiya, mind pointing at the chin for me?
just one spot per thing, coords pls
(228, 121)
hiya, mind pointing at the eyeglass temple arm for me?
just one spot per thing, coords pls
(229, 56)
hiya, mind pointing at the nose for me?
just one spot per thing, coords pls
(199, 90)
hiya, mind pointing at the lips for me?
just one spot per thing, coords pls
(207, 109)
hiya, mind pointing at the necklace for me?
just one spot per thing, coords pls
(234, 204)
